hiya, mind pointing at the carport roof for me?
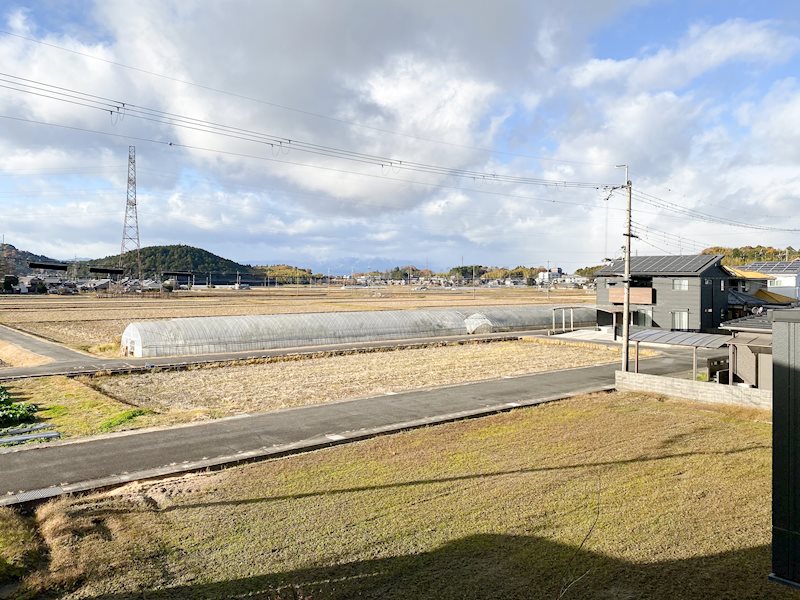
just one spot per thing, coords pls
(680, 338)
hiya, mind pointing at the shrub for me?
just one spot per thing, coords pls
(13, 413)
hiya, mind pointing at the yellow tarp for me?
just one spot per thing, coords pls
(745, 274)
(773, 297)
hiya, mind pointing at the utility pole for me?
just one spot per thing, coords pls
(626, 281)
(473, 282)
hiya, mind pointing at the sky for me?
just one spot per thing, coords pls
(356, 135)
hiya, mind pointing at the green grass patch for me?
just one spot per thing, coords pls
(76, 409)
(122, 418)
(489, 508)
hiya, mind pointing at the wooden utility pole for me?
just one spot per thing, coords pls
(626, 281)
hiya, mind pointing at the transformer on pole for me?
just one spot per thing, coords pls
(130, 229)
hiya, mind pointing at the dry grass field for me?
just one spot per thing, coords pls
(14, 356)
(96, 324)
(219, 391)
(497, 507)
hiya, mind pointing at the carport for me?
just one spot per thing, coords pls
(678, 338)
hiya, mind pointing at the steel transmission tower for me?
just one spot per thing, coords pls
(130, 230)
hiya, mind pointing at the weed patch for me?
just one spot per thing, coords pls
(122, 418)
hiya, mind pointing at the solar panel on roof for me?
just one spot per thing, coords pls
(663, 264)
(781, 266)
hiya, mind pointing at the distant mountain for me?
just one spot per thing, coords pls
(15, 261)
(157, 259)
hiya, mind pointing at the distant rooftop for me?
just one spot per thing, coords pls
(779, 266)
(693, 264)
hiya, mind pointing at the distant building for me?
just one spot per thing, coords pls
(544, 277)
(681, 293)
(785, 275)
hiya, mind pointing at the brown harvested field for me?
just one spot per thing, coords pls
(496, 507)
(219, 391)
(96, 324)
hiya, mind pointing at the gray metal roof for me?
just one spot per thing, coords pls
(762, 322)
(761, 340)
(680, 338)
(693, 264)
(736, 298)
(780, 266)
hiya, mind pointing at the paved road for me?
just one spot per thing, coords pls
(70, 362)
(75, 466)
(39, 346)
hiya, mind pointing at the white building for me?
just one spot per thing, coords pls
(786, 275)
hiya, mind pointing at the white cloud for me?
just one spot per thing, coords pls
(520, 81)
(702, 50)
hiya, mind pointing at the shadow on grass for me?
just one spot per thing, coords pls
(402, 484)
(499, 566)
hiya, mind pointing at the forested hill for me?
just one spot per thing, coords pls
(157, 259)
(16, 261)
(747, 254)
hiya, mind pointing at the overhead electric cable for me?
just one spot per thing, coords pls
(301, 111)
(280, 143)
(684, 212)
(320, 167)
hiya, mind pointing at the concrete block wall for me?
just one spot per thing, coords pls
(693, 390)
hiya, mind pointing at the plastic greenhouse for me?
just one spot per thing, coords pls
(211, 335)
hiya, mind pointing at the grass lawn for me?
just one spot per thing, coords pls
(497, 507)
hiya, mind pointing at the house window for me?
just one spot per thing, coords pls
(680, 319)
(680, 284)
(722, 285)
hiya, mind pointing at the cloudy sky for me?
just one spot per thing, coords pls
(423, 132)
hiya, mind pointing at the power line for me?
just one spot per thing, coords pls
(696, 215)
(682, 211)
(320, 167)
(298, 110)
(670, 238)
(277, 143)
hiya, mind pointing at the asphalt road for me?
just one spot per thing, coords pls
(35, 472)
(39, 346)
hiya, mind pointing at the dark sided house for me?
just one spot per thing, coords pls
(682, 293)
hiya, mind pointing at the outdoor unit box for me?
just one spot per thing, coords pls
(786, 448)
